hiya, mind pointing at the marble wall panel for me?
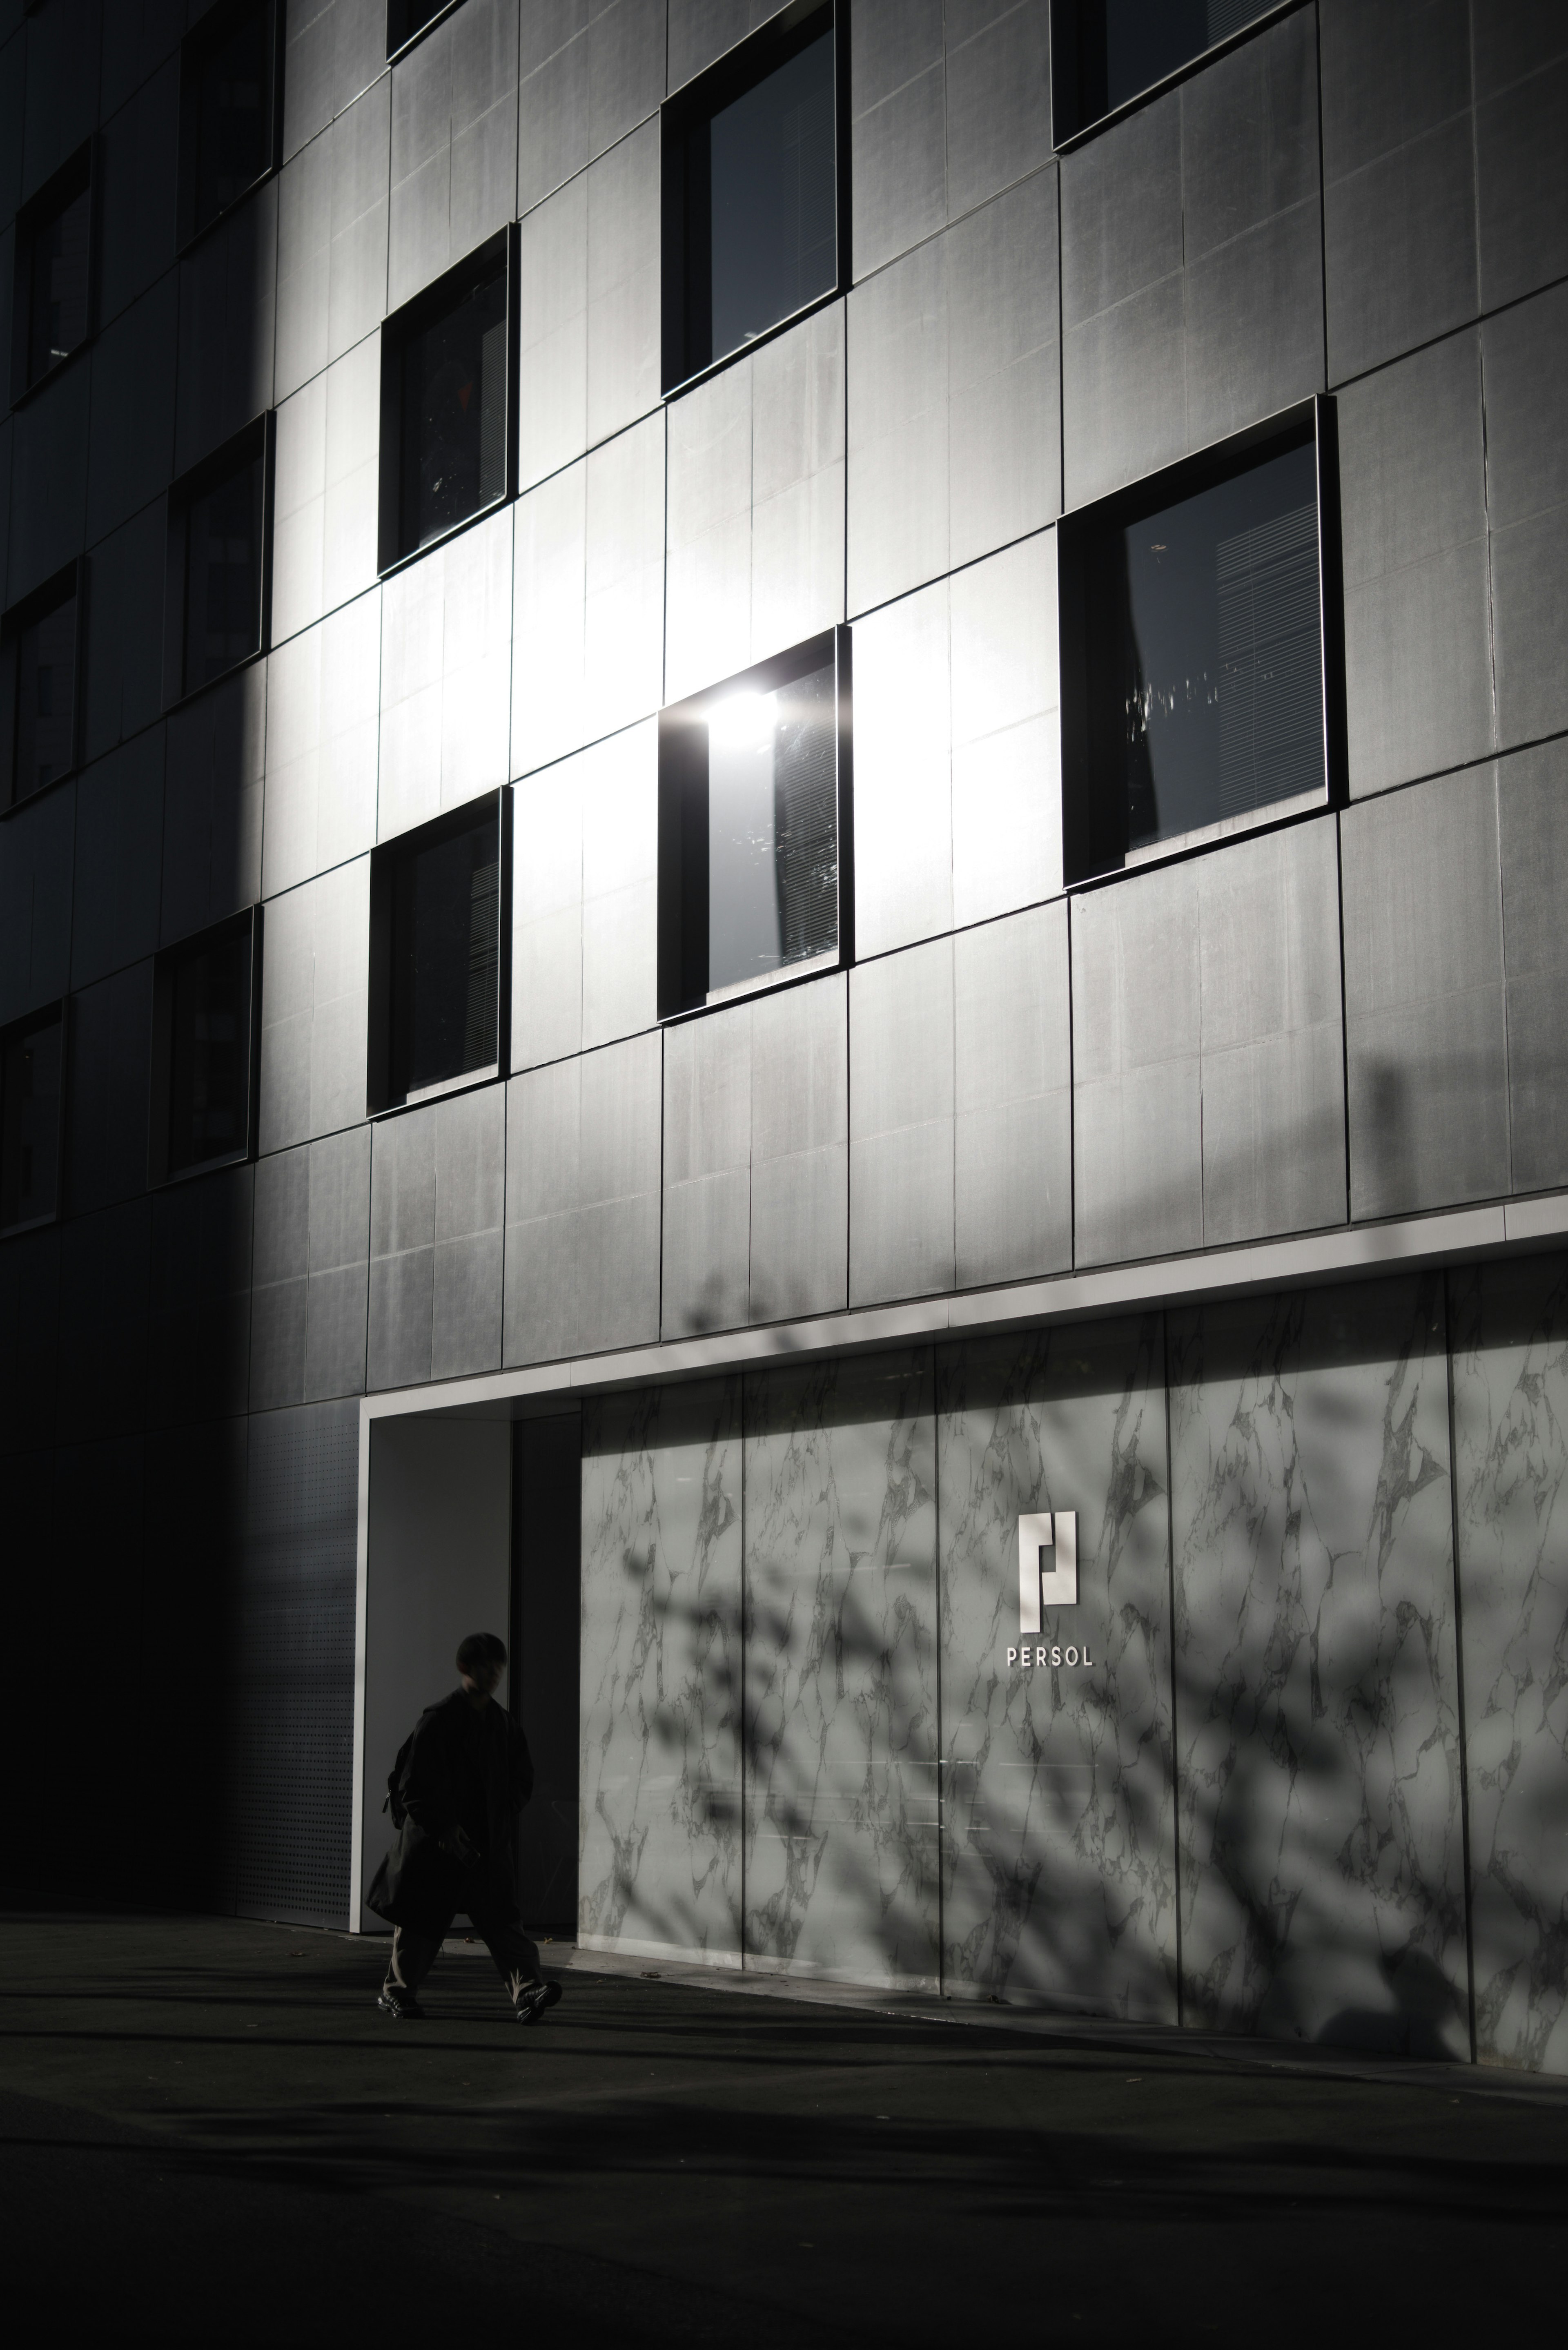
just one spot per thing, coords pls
(1511, 1467)
(841, 1630)
(660, 1848)
(1059, 1846)
(1317, 1737)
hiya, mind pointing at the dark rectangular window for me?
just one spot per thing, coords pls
(201, 1068)
(38, 688)
(1107, 51)
(216, 602)
(751, 192)
(437, 929)
(229, 110)
(444, 401)
(750, 879)
(1193, 654)
(30, 1073)
(52, 301)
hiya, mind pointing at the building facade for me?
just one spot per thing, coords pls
(785, 812)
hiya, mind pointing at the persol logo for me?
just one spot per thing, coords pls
(1048, 1577)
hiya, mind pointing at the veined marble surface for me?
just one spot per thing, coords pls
(1511, 1442)
(660, 1853)
(841, 1669)
(1320, 1844)
(1058, 1823)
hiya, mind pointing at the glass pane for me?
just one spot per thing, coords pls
(46, 698)
(446, 959)
(771, 193)
(773, 830)
(234, 116)
(209, 1069)
(1139, 42)
(223, 576)
(58, 319)
(29, 1123)
(454, 414)
(1214, 704)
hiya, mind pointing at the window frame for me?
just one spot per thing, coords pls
(194, 49)
(682, 885)
(730, 77)
(58, 1012)
(1307, 422)
(78, 174)
(1070, 126)
(505, 247)
(165, 966)
(46, 598)
(400, 42)
(256, 438)
(381, 1099)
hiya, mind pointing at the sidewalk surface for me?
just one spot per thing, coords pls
(207, 2132)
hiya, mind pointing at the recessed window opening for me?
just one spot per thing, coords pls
(218, 532)
(1107, 51)
(437, 928)
(445, 437)
(31, 1066)
(1193, 652)
(39, 671)
(407, 18)
(752, 193)
(202, 1056)
(751, 881)
(229, 110)
(52, 293)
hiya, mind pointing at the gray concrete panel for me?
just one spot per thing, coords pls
(1136, 1067)
(898, 81)
(106, 1090)
(326, 491)
(455, 143)
(13, 90)
(29, 1340)
(402, 1248)
(335, 48)
(1533, 827)
(588, 599)
(1523, 355)
(1400, 226)
(332, 240)
(119, 854)
(279, 1306)
(138, 157)
(62, 86)
(1425, 1027)
(903, 772)
(124, 662)
(212, 805)
(998, 97)
(703, 30)
(199, 1321)
(48, 479)
(105, 1271)
(35, 864)
(1012, 1098)
(1418, 684)
(1320, 1851)
(707, 1172)
(228, 307)
(1006, 731)
(901, 1102)
(322, 729)
(1522, 162)
(590, 71)
(469, 1208)
(131, 457)
(314, 994)
(446, 677)
(337, 1279)
(137, 40)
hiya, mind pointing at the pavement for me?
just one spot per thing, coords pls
(209, 2133)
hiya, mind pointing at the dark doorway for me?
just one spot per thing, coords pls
(546, 1520)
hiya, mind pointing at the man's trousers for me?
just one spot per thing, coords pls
(515, 1955)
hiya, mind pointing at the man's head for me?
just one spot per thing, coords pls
(482, 1661)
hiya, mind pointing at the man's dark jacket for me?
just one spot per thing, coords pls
(467, 1768)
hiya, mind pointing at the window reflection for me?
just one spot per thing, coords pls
(45, 691)
(454, 413)
(223, 572)
(1205, 653)
(233, 115)
(58, 288)
(772, 832)
(772, 192)
(1127, 46)
(29, 1121)
(209, 1059)
(445, 958)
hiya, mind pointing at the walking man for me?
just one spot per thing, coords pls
(454, 1795)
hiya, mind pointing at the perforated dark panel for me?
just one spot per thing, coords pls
(297, 1665)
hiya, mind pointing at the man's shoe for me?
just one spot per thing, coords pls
(400, 2005)
(532, 2002)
